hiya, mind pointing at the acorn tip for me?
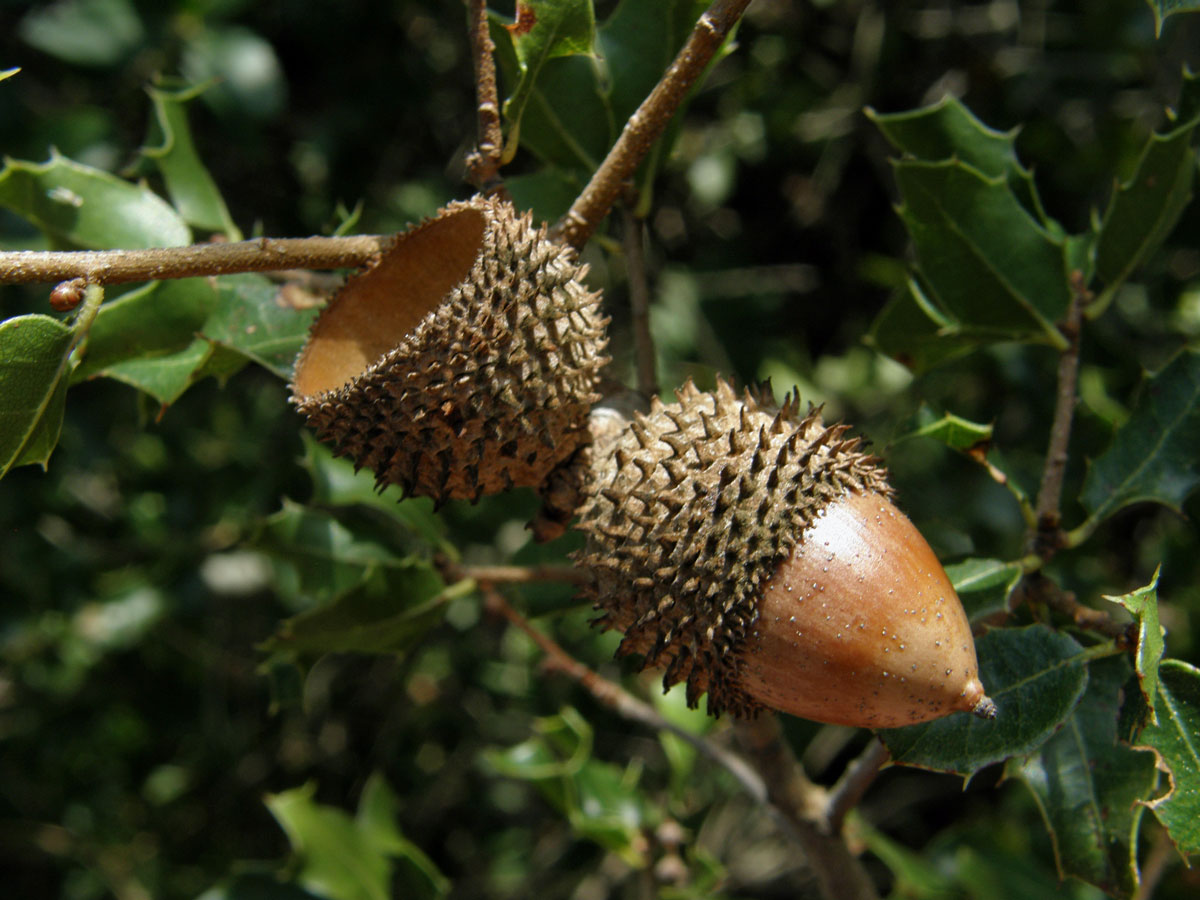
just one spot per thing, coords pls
(985, 708)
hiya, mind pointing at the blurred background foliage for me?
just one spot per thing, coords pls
(141, 723)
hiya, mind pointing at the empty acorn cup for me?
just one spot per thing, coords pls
(463, 363)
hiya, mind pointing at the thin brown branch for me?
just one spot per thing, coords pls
(639, 304)
(260, 255)
(483, 164)
(489, 575)
(1048, 537)
(859, 776)
(621, 701)
(838, 872)
(648, 122)
(1041, 590)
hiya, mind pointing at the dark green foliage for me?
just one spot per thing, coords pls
(202, 608)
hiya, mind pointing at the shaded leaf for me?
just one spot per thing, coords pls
(1144, 209)
(1152, 456)
(637, 43)
(906, 331)
(249, 317)
(1164, 8)
(80, 206)
(256, 886)
(1175, 741)
(1089, 787)
(189, 184)
(84, 32)
(1143, 604)
(1035, 676)
(948, 130)
(337, 483)
(984, 585)
(544, 30)
(35, 355)
(992, 270)
(327, 559)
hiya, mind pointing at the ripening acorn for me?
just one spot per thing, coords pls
(462, 363)
(756, 555)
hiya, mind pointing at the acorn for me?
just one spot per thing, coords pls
(463, 362)
(755, 553)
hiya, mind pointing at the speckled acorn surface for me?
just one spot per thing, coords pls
(755, 554)
(464, 362)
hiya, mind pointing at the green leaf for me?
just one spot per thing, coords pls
(602, 802)
(1089, 787)
(256, 886)
(1174, 739)
(544, 30)
(35, 356)
(328, 559)
(566, 121)
(910, 331)
(337, 858)
(9, 73)
(84, 32)
(79, 206)
(1143, 604)
(378, 809)
(992, 270)
(189, 184)
(248, 316)
(1144, 209)
(1164, 8)
(164, 337)
(984, 585)
(1035, 676)
(947, 130)
(1152, 456)
(637, 43)
(954, 431)
(336, 482)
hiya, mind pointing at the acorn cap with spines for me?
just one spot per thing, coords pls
(697, 513)
(463, 362)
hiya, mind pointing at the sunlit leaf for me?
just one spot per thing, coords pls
(954, 431)
(1174, 738)
(378, 810)
(336, 857)
(161, 337)
(1089, 787)
(990, 267)
(1144, 209)
(34, 363)
(79, 206)
(1035, 676)
(1152, 457)
(1143, 605)
(544, 30)
(189, 184)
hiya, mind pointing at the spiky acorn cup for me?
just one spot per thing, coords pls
(463, 363)
(756, 554)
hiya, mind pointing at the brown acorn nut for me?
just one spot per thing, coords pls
(463, 363)
(756, 555)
